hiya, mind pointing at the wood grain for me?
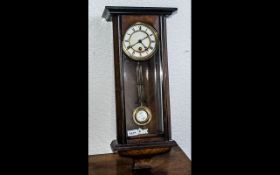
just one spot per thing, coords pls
(111, 11)
(119, 91)
(156, 86)
(174, 162)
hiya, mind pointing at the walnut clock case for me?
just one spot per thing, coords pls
(141, 80)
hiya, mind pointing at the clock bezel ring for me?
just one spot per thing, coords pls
(147, 110)
(154, 50)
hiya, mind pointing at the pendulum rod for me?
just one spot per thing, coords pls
(140, 83)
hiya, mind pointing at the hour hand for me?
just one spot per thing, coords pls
(146, 48)
(135, 44)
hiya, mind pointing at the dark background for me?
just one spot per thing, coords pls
(44, 62)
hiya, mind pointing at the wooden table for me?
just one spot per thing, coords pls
(173, 163)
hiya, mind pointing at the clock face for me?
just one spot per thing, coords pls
(140, 42)
(142, 115)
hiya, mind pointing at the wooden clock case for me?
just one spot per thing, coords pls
(157, 89)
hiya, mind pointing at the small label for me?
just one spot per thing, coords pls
(136, 132)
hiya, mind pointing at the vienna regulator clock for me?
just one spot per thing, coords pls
(141, 80)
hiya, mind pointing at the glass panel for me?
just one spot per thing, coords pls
(143, 97)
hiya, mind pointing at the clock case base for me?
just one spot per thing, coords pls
(142, 150)
(142, 153)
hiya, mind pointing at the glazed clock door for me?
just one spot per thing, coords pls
(142, 79)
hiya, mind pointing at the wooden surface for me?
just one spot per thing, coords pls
(173, 163)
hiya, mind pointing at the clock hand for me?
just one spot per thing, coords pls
(134, 44)
(139, 41)
(144, 38)
(144, 46)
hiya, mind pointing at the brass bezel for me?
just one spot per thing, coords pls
(147, 110)
(148, 56)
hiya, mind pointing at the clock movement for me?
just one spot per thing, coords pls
(141, 80)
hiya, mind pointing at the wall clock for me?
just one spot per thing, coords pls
(141, 80)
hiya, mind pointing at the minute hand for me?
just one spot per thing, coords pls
(144, 38)
(139, 41)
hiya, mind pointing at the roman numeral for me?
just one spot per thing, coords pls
(151, 34)
(140, 54)
(133, 29)
(126, 40)
(151, 48)
(139, 27)
(152, 41)
(133, 52)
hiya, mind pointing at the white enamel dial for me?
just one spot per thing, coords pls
(140, 42)
(141, 116)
